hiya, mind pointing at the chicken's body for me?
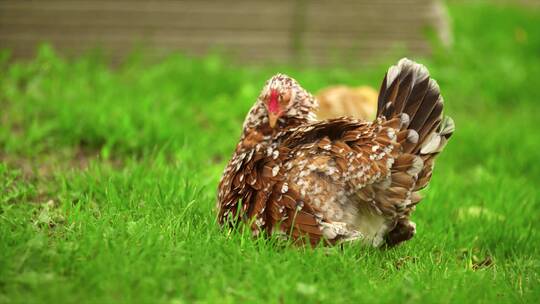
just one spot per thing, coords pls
(339, 179)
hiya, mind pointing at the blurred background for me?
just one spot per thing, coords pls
(310, 32)
(279, 31)
(176, 57)
(88, 73)
(118, 117)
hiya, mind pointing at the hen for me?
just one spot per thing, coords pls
(340, 179)
(340, 100)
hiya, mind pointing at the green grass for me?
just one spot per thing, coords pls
(108, 179)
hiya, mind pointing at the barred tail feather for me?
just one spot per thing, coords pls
(408, 91)
(409, 95)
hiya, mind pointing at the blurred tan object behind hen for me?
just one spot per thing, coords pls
(340, 100)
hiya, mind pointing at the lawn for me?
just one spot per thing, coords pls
(108, 181)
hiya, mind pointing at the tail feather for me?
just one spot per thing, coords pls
(438, 139)
(409, 95)
(408, 89)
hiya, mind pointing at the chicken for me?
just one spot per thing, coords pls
(340, 100)
(340, 179)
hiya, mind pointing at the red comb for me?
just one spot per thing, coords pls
(273, 102)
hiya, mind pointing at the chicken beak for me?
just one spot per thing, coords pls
(272, 119)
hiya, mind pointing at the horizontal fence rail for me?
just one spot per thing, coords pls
(278, 31)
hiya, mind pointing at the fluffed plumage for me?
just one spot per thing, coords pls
(340, 179)
(341, 100)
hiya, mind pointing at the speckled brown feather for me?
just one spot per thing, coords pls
(252, 187)
(418, 96)
(339, 179)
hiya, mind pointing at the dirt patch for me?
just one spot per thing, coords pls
(40, 172)
(47, 164)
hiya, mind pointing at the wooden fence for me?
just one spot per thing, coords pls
(266, 31)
